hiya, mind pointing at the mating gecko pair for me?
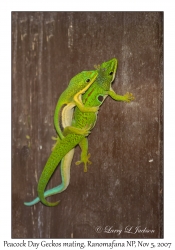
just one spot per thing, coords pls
(77, 124)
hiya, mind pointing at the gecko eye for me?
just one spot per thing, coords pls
(100, 98)
(88, 80)
(111, 73)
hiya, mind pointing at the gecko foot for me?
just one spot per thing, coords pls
(57, 139)
(86, 130)
(97, 66)
(84, 160)
(129, 97)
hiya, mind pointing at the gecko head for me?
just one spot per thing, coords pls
(109, 68)
(84, 79)
(107, 72)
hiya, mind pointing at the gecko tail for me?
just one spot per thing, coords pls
(49, 204)
(31, 203)
(36, 200)
(65, 172)
(55, 190)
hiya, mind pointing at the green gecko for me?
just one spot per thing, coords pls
(70, 98)
(94, 96)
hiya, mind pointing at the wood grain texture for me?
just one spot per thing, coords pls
(123, 186)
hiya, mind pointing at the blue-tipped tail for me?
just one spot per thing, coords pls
(55, 190)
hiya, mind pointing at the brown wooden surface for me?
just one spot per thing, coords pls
(123, 186)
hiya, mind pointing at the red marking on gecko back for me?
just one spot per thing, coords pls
(89, 95)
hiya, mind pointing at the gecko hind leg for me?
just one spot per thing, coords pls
(84, 155)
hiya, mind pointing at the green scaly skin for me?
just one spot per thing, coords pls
(52, 163)
(94, 96)
(70, 98)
